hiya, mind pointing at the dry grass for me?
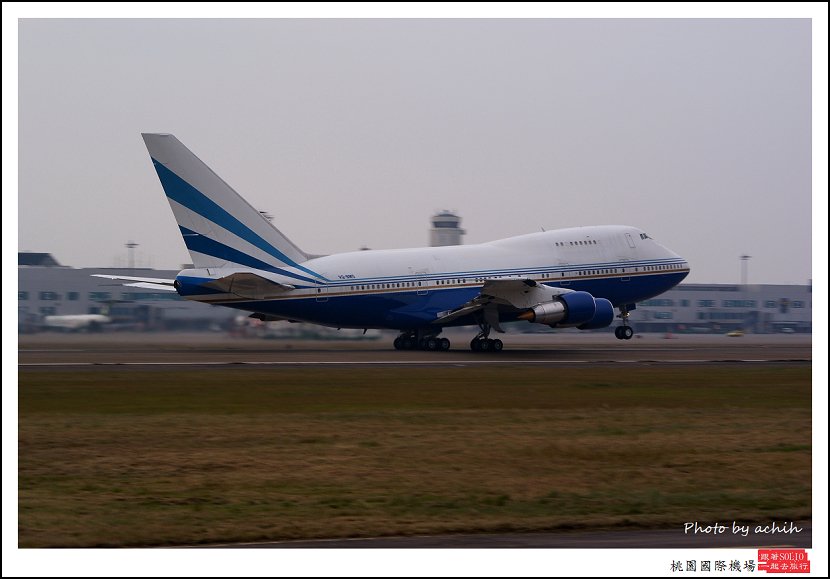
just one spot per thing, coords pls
(158, 457)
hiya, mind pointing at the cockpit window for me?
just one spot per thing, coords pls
(644, 236)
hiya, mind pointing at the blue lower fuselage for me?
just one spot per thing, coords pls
(407, 310)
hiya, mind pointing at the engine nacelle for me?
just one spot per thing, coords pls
(603, 317)
(578, 309)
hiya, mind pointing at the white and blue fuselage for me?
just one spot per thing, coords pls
(563, 278)
(407, 288)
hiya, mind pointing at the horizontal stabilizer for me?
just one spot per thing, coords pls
(151, 286)
(250, 286)
(155, 280)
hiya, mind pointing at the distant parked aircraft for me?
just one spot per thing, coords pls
(78, 322)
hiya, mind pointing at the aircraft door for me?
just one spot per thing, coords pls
(625, 269)
(421, 284)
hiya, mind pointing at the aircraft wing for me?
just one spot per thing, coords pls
(154, 283)
(516, 293)
(519, 292)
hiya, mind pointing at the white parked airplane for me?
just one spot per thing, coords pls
(562, 278)
(76, 322)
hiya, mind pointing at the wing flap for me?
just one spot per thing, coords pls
(515, 293)
(468, 308)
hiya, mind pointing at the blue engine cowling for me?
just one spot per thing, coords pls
(603, 317)
(579, 309)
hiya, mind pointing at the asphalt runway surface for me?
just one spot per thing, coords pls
(217, 350)
(800, 537)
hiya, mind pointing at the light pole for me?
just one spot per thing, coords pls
(744, 259)
(131, 245)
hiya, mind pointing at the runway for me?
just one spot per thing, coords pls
(620, 539)
(177, 353)
(218, 350)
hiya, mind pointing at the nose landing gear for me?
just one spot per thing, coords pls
(624, 332)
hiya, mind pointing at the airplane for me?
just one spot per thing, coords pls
(76, 322)
(572, 277)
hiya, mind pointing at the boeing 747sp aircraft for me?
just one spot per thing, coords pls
(563, 278)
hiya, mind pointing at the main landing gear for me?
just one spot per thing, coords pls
(428, 340)
(486, 345)
(414, 341)
(483, 343)
(624, 332)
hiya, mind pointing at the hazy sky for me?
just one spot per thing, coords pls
(354, 132)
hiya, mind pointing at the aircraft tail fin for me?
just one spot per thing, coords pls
(219, 227)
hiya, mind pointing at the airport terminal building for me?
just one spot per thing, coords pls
(715, 308)
(47, 288)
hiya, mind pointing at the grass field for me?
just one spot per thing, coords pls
(129, 458)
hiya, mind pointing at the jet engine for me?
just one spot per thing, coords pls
(573, 309)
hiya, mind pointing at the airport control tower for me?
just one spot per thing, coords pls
(445, 230)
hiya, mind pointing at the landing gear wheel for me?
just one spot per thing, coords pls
(407, 344)
(431, 344)
(624, 332)
(485, 345)
(475, 345)
(498, 345)
(443, 344)
(398, 343)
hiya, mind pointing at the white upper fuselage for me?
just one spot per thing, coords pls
(592, 245)
(568, 258)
